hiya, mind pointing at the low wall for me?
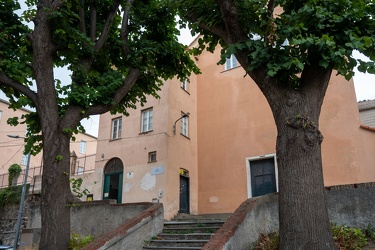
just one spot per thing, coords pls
(133, 233)
(351, 205)
(87, 218)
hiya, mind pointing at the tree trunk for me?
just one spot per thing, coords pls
(56, 194)
(303, 214)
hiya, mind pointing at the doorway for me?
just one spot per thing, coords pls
(262, 175)
(184, 191)
(113, 178)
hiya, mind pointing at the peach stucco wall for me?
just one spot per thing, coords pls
(235, 123)
(173, 151)
(12, 149)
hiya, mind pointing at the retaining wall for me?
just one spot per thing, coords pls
(351, 205)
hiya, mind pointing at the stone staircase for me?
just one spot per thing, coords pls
(187, 232)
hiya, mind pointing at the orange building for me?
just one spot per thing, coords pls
(11, 149)
(209, 143)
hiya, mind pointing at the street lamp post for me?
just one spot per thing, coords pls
(19, 218)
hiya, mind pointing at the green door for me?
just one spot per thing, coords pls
(113, 178)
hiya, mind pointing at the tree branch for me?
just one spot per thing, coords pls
(82, 23)
(230, 16)
(124, 26)
(93, 21)
(104, 34)
(129, 81)
(6, 81)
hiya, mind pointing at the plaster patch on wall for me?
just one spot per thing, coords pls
(213, 199)
(148, 182)
(128, 186)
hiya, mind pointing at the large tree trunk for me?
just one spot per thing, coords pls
(304, 222)
(56, 194)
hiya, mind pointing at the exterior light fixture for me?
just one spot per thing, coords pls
(183, 116)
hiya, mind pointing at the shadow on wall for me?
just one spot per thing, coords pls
(351, 205)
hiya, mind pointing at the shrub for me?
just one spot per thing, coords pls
(348, 238)
(76, 242)
(268, 242)
(370, 232)
(11, 195)
(14, 171)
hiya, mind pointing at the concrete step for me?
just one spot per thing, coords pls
(202, 217)
(190, 230)
(178, 243)
(196, 236)
(187, 232)
(171, 248)
(192, 224)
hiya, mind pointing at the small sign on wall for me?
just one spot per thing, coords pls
(157, 170)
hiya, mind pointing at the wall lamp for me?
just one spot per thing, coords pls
(18, 225)
(183, 116)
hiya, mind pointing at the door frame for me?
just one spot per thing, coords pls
(121, 179)
(248, 171)
(186, 176)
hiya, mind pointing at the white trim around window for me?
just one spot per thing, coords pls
(146, 122)
(82, 147)
(184, 125)
(231, 62)
(116, 128)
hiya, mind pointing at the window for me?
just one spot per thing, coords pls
(82, 147)
(24, 159)
(147, 120)
(80, 170)
(231, 62)
(185, 125)
(116, 128)
(184, 84)
(152, 156)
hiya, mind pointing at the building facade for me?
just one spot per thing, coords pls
(83, 149)
(223, 152)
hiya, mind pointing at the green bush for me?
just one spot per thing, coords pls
(76, 242)
(11, 195)
(348, 238)
(14, 171)
(370, 232)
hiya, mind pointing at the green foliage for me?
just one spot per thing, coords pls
(11, 195)
(348, 238)
(345, 238)
(325, 32)
(268, 242)
(370, 232)
(13, 171)
(77, 242)
(76, 187)
(98, 71)
(58, 158)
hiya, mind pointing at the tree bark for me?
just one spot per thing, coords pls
(303, 214)
(56, 194)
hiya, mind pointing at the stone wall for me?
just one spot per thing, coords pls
(85, 217)
(351, 205)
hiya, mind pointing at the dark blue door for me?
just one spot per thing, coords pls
(184, 194)
(263, 179)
